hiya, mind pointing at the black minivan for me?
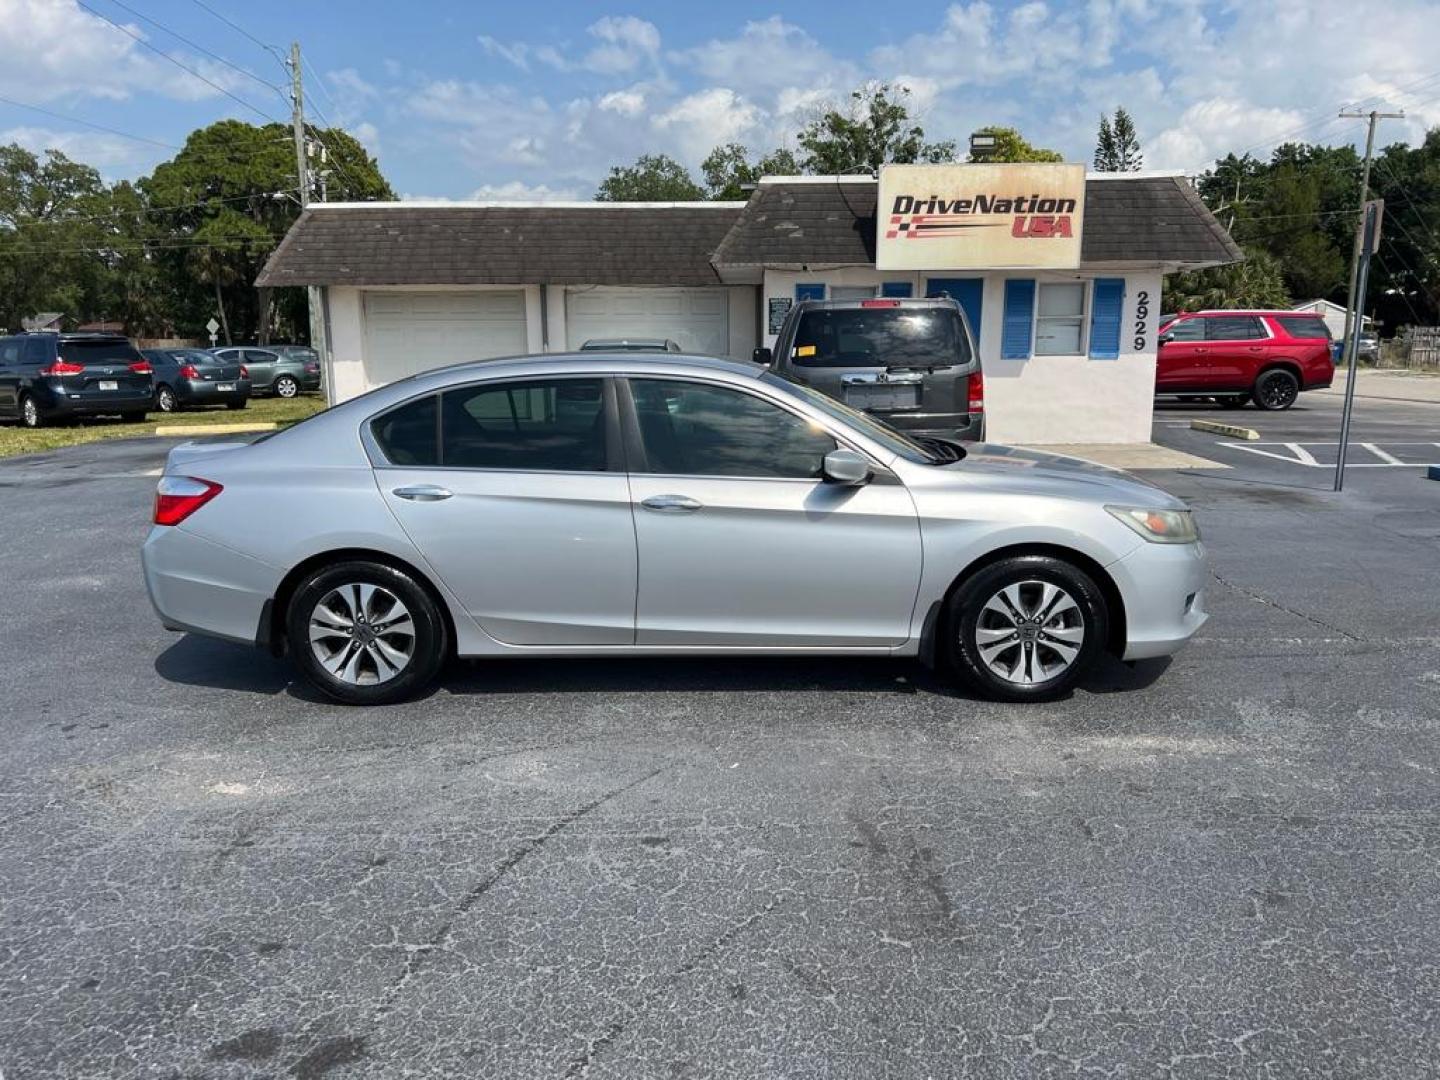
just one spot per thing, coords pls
(910, 363)
(45, 376)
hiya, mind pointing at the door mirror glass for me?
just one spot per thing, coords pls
(845, 467)
(762, 356)
(1165, 339)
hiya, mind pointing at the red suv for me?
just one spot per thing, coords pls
(1266, 357)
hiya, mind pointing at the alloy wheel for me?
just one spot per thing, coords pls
(165, 398)
(29, 413)
(362, 634)
(286, 387)
(1030, 632)
(1278, 393)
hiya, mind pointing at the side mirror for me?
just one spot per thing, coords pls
(762, 356)
(845, 467)
(1165, 339)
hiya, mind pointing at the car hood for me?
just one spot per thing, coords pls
(1017, 470)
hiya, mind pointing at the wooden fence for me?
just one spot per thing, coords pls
(1422, 348)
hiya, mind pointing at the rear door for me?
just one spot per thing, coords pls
(1183, 359)
(10, 375)
(1239, 345)
(261, 364)
(524, 512)
(742, 544)
(107, 364)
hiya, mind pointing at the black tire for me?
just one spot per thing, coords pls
(285, 386)
(233, 405)
(165, 399)
(1275, 390)
(429, 639)
(30, 413)
(966, 616)
(133, 417)
(1234, 401)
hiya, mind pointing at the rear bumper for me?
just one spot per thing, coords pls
(967, 426)
(190, 392)
(1163, 587)
(55, 401)
(198, 586)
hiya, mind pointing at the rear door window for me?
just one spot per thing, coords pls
(99, 352)
(1304, 326)
(880, 337)
(1233, 328)
(410, 435)
(552, 425)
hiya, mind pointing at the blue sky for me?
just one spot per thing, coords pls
(490, 100)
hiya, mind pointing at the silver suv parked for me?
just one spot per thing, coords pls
(913, 363)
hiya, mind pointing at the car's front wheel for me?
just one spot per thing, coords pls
(1026, 628)
(365, 633)
(1276, 390)
(286, 387)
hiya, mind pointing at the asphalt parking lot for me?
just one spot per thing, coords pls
(1223, 866)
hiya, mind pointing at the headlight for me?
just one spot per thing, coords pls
(1159, 526)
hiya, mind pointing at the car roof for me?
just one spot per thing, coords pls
(1288, 312)
(581, 363)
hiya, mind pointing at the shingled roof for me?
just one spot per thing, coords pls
(812, 223)
(458, 244)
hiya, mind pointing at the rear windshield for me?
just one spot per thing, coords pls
(97, 352)
(302, 354)
(1304, 326)
(881, 337)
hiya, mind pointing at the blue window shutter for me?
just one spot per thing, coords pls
(898, 289)
(1106, 309)
(967, 292)
(1016, 332)
(810, 292)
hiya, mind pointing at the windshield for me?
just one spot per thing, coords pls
(98, 351)
(881, 432)
(881, 337)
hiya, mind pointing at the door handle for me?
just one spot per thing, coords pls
(671, 504)
(422, 493)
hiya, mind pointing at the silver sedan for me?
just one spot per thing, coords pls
(612, 505)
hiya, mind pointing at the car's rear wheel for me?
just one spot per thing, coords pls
(30, 413)
(286, 387)
(165, 399)
(1234, 401)
(1276, 390)
(365, 633)
(1026, 628)
(233, 405)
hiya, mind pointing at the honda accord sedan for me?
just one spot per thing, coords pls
(609, 504)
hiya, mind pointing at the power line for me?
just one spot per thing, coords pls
(134, 246)
(198, 47)
(271, 49)
(154, 209)
(162, 53)
(87, 123)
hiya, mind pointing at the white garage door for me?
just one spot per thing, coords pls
(406, 333)
(698, 320)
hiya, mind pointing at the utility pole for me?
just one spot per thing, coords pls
(1369, 241)
(1348, 357)
(314, 296)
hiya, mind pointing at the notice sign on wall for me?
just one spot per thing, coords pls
(979, 217)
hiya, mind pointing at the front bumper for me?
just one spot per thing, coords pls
(1163, 587)
(199, 586)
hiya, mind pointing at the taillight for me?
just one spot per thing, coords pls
(63, 367)
(879, 303)
(312, 367)
(244, 372)
(142, 367)
(975, 391)
(177, 497)
(189, 371)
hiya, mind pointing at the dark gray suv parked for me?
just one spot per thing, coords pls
(45, 377)
(911, 363)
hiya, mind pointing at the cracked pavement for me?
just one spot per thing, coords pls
(799, 868)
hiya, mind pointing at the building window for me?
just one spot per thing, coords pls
(1060, 319)
(852, 292)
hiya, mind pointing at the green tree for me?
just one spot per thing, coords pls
(727, 170)
(1011, 147)
(1258, 282)
(876, 129)
(653, 178)
(1117, 147)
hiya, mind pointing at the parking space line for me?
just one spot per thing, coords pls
(1301, 454)
(1389, 459)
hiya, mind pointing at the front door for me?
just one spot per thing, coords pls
(741, 543)
(260, 363)
(1184, 357)
(524, 510)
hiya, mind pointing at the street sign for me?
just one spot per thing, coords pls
(1378, 207)
(212, 326)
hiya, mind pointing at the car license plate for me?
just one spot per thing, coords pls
(225, 387)
(883, 395)
(109, 384)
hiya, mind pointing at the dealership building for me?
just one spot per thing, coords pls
(1064, 305)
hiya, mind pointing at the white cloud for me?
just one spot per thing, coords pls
(625, 102)
(351, 82)
(519, 191)
(114, 157)
(768, 55)
(707, 119)
(625, 42)
(516, 53)
(1213, 128)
